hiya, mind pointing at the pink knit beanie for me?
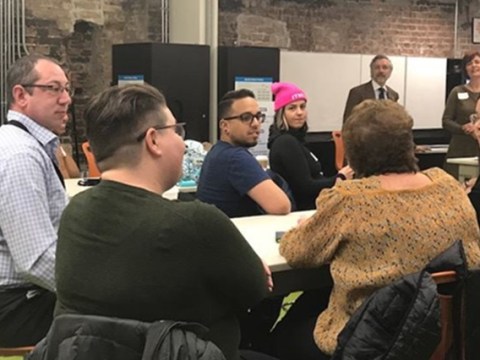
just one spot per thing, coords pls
(286, 93)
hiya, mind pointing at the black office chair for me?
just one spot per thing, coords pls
(100, 337)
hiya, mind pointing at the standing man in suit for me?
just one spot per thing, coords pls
(380, 70)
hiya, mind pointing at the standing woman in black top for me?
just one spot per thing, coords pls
(289, 156)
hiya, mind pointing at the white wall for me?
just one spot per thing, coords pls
(196, 22)
(187, 20)
(327, 79)
(425, 93)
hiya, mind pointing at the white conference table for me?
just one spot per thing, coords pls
(73, 188)
(431, 149)
(467, 167)
(260, 232)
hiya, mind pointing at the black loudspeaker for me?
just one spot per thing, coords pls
(181, 72)
(455, 75)
(246, 61)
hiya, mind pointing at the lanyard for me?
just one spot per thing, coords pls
(23, 127)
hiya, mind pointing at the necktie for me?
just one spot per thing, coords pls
(381, 92)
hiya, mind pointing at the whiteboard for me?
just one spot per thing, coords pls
(425, 91)
(327, 78)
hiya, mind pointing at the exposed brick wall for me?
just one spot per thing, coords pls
(80, 34)
(396, 27)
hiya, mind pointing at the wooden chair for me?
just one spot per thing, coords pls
(446, 316)
(339, 149)
(16, 351)
(93, 170)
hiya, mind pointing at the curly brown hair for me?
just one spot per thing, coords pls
(378, 139)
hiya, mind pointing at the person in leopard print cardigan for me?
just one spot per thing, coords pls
(388, 222)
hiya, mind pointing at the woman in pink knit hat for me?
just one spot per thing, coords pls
(289, 156)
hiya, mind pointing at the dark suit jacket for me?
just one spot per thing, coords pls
(364, 92)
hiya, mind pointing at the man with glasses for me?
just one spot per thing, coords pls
(231, 178)
(124, 251)
(32, 197)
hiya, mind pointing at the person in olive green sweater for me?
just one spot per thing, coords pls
(459, 107)
(125, 251)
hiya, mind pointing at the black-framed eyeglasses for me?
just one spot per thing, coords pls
(248, 117)
(179, 129)
(52, 88)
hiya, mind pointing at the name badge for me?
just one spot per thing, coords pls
(462, 96)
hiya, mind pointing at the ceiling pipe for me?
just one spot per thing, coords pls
(455, 32)
(12, 43)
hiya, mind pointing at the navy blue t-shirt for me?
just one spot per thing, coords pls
(228, 173)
